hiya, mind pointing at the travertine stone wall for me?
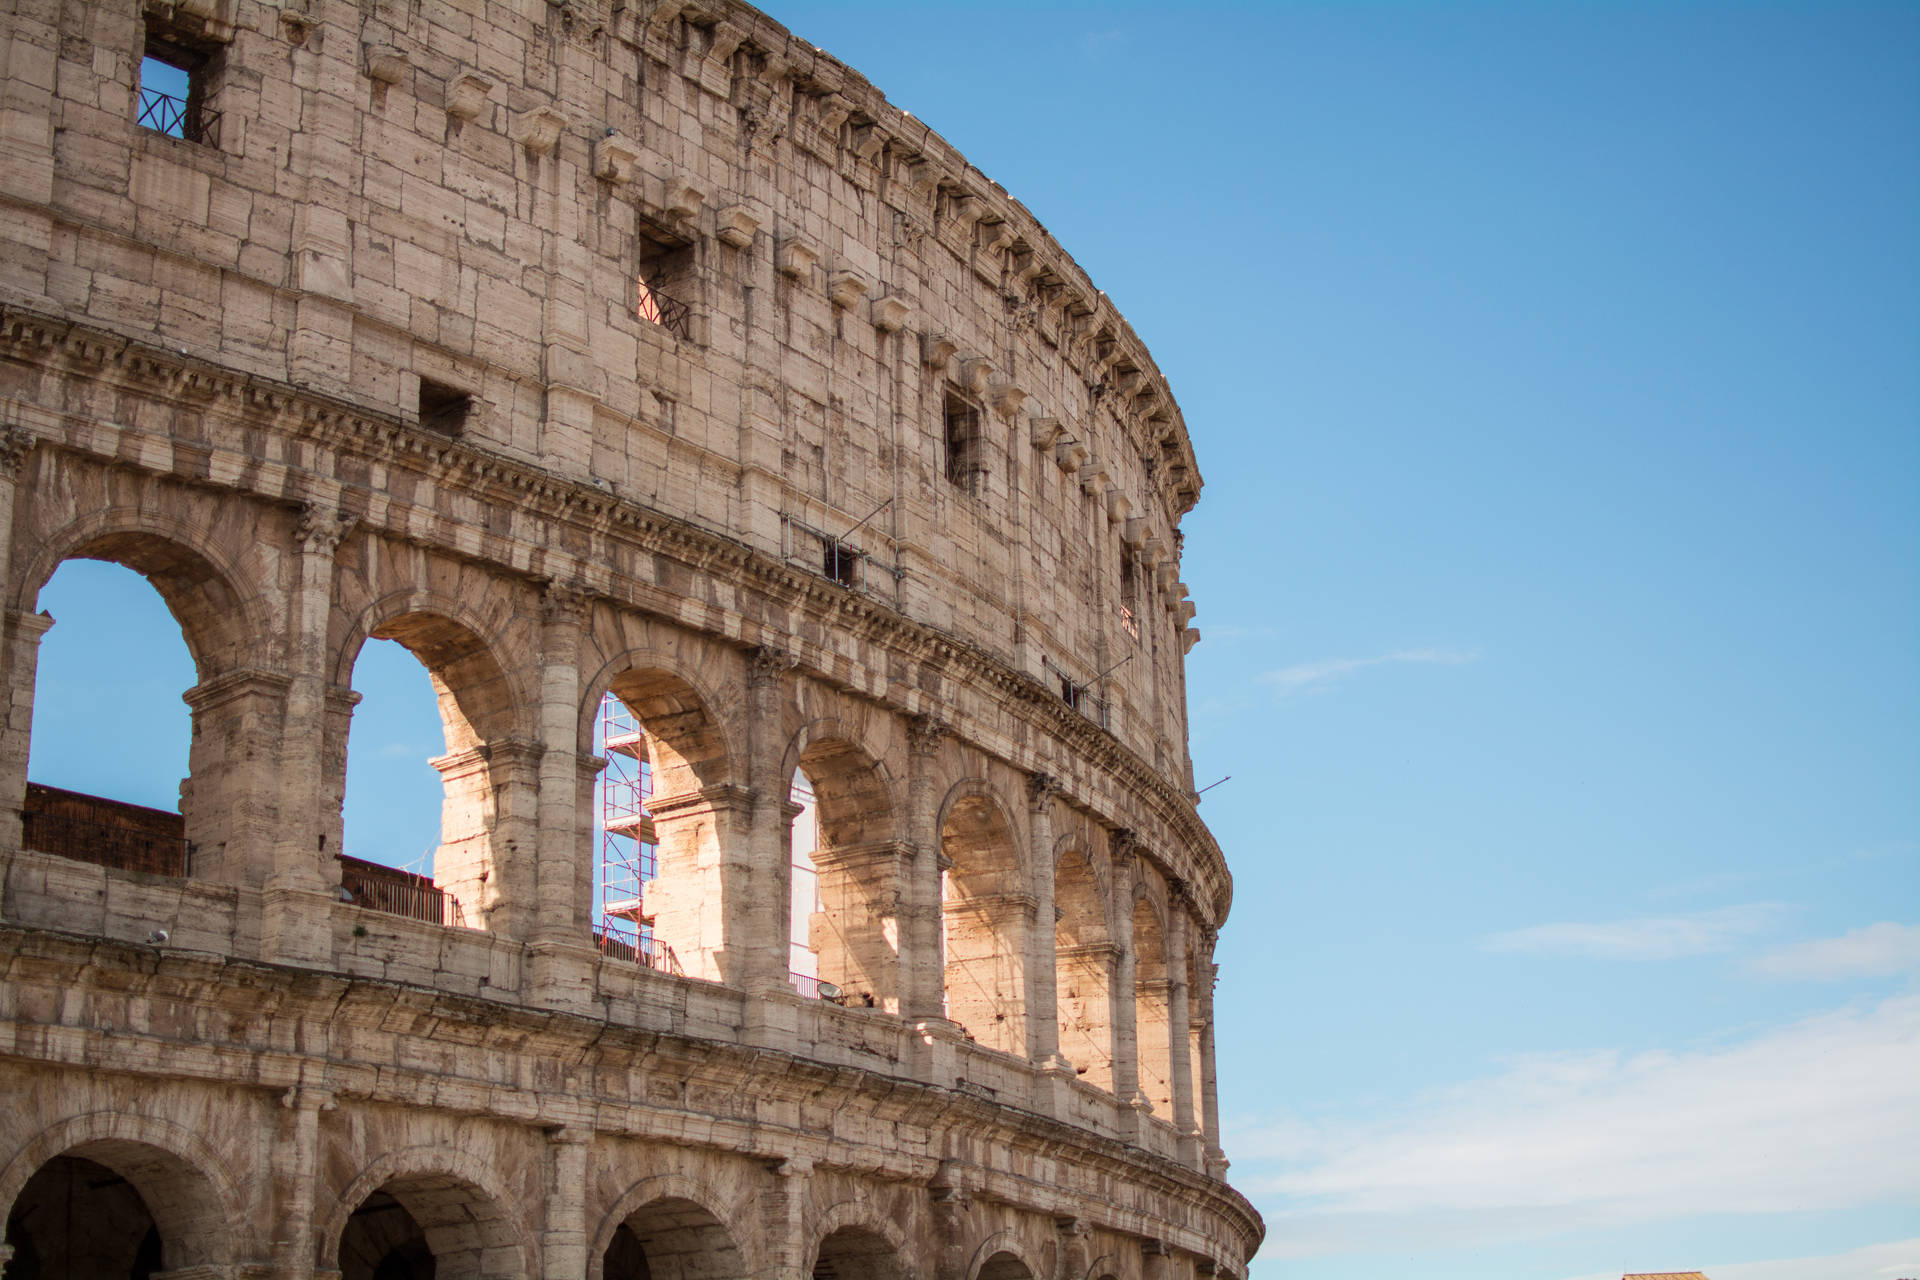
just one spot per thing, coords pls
(585, 350)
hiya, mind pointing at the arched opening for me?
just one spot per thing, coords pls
(109, 746)
(383, 1242)
(79, 1220)
(1004, 1266)
(857, 1253)
(1150, 1010)
(1084, 957)
(664, 816)
(485, 784)
(672, 1239)
(852, 922)
(985, 910)
(391, 806)
(112, 1208)
(803, 842)
(429, 1226)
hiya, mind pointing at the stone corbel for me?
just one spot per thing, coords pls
(796, 258)
(1006, 398)
(538, 130)
(1093, 477)
(846, 288)
(1189, 638)
(973, 374)
(923, 176)
(1185, 612)
(997, 234)
(466, 94)
(682, 198)
(1134, 531)
(614, 158)
(725, 39)
(890, 313)
(386, 64)
(1027, 266)
(965, 209)
(834, 110)
(1167, 576)
(936, 349)
(1069, 454)
(1042, 432)
(1118, 506)
(867, 140)
(735, 225)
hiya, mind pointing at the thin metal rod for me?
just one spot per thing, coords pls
(1211, 785)
(870, 515)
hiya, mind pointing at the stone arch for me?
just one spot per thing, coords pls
(860, 859)
(489, 771)
(986, 909)
(697, 807)
(183, 1184)
(1002, 1256)
(458, 1203)
(679, 1222)
(1152, 1009)
(221, 616)
(1084, 959)
(1102, 1268)
(869, 1239)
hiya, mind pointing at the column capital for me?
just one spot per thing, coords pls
(924, 733)
(1041, 789)
(15, 445)
(766, 664)
(562, 602)
(322, 528)
(1124, 847)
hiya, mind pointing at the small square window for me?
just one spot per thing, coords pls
(443, 409)
(176, 85)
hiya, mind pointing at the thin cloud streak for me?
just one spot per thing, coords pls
(1882, 950)
(1870, 1262)
(1308, 676)
(1697, 933)
(1821, 1114)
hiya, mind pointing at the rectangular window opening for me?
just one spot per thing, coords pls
(443, 409)
(965, 445)
(176, 86)
(841, 562)
(665, 283)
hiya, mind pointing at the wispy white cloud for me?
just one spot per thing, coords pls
(1872, 1262)
(1696, 933)
(1318, 675)
(1877, 951)
(1822, 1114)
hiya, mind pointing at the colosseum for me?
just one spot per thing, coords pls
(727, 449)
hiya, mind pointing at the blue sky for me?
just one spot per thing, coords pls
(1553, 372)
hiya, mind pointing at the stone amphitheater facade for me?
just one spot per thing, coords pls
(583, 349)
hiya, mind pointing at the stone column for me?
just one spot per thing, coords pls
(761, 898)
(1043, 1016)
(1072, 1254)
(20, 651)
(785, 1223)
(560, 948)
(15, 445)
(297, 905)
(563, 1244)
(1180, 1027)
(922, 959)
(488, 827)
(296, 1159)
(1126, 1039)
(1208, 973)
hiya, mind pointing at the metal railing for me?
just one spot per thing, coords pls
(646, 951)
(179, 117)
(106, 844)
(412, 899)
(671, 314)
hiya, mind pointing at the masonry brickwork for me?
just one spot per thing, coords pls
(592, 349)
